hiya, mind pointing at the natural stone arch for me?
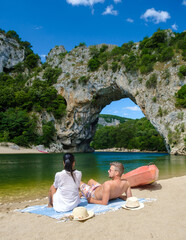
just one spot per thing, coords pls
(86, 100)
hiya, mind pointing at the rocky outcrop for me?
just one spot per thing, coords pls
(113, 122)
(85, 100)
(10, 53)
(55, 55)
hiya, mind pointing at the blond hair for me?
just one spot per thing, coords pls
(118, 167)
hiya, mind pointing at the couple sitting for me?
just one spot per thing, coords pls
(64, 193)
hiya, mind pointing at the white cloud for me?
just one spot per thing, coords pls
(117, 1)
(184, 2)
(84, 2)
(116, 112)
(43, 57)
(174, 27)
(130, 20)
(109, 10)
(37, 27)
(135, 108)
(155, 16)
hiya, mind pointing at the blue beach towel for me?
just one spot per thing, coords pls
(96, 208)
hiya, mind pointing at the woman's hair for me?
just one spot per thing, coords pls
(68, 160)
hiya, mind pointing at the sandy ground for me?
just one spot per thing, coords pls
(9, 150)
(163, 219)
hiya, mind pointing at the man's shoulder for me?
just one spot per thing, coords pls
(125, 181)
(108, 183)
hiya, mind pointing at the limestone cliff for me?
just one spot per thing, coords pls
(86, 99)
(11, 52)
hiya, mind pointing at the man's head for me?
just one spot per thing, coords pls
(116, 168)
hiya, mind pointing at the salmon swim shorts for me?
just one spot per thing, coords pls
(88, 191)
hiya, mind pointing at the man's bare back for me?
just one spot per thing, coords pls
(114, 188)
(110, 189)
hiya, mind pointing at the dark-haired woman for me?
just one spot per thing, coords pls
(64, 193)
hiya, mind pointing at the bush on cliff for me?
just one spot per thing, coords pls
(152, 82)
(93, 64)
(51, 75)
(182, 71)
(181, 97)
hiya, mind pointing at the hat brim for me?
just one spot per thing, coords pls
(137, 208)
(90, 214)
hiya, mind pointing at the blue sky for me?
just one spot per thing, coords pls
(46, 24)
(124, 108)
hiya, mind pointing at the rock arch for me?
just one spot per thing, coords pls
(85, 100)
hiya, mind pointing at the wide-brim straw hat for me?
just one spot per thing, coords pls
(81, 214)
(132, 203)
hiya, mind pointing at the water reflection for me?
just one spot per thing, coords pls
(87, 163)
(172, 166)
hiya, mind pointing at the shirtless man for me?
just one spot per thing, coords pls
(102, 193)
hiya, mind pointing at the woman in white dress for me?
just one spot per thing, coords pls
(64, 193)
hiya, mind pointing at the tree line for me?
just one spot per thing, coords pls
(132, 134)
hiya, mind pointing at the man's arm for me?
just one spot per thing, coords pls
(105, 197)
(128, 192)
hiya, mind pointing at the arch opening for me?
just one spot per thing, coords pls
(123, 126)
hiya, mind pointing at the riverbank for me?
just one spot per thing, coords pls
(160, 219)
(10, 148)
(124, 150)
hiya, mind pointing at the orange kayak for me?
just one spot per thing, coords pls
(142, 175)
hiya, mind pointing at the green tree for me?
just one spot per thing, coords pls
(16, 122)
(131, 134)
(32, 61)
(48, 133)
(13, 34)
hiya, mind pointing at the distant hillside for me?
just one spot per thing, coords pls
(110, 120)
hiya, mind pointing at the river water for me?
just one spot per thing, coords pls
(29, 176)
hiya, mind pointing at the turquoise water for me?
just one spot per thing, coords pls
(29, 176)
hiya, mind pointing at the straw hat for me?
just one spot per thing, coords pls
(81, 214)
(132, 203)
